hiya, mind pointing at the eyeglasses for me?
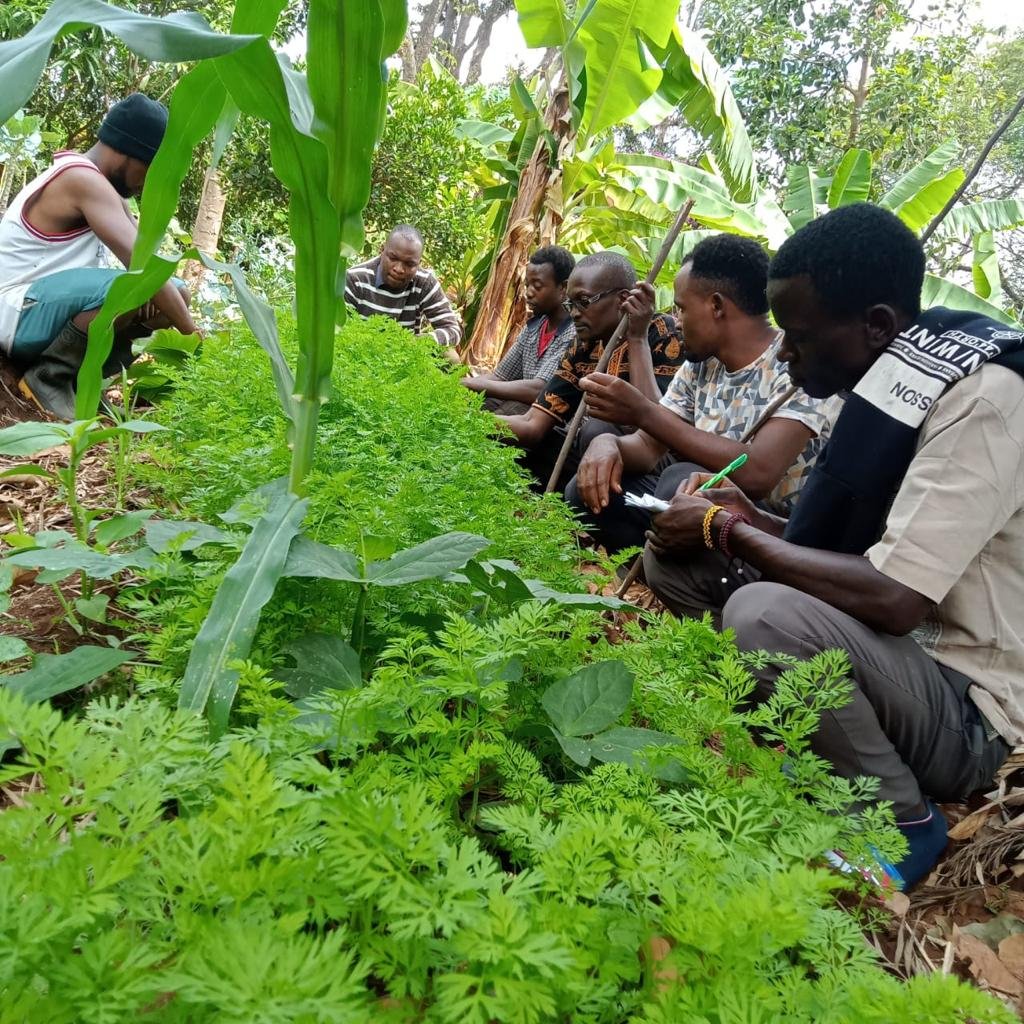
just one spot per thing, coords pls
(587, 301)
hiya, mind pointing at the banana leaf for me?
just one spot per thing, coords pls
(851, 182)
(987, 215)
(918, 211)
(619, 76)
(694, 83)
(922, 174)
(988, 282)
(940, 292)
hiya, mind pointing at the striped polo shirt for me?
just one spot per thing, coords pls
(422, 299)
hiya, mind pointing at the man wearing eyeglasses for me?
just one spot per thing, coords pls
(602, 288)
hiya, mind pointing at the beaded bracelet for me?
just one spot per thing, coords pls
(708, 517)
(723, 533)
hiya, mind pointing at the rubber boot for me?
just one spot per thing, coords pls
(50, 381)
(927, 840)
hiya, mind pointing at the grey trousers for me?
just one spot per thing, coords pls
(910, 721)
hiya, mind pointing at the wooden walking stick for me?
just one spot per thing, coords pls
(613, 344)
(773, 407)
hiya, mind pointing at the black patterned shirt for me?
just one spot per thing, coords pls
(561, 395)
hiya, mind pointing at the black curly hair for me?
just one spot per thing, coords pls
(561, 260)
(735, 266)
(857, 256)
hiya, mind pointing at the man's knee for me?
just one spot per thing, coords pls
(765, 616)
(573, 499)
(674, 477)
(185, 293)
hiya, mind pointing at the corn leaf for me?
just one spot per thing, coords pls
(920, 175)
(227, 634)
(176, 39)
(851, 182)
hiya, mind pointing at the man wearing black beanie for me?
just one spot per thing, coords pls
(55, 241)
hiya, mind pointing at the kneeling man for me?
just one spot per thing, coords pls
(906, 549)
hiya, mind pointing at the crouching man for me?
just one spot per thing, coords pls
(906, 548)
(54, 242)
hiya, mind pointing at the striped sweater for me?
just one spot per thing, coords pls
(422, 300)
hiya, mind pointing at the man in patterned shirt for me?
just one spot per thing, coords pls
(537, 352)
(731, 376)
(602, 289)
(394, 284)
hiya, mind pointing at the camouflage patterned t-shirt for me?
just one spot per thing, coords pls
(728, 403)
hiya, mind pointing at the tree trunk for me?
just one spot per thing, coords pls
(6, 182)
(408, 55)
(206, 233)
(482, 40)
(860, 96)
(502, 307)
(425, 32)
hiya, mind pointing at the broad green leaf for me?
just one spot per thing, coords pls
(589, 700)
(430, 560)
(918, 211)
(30, 438)
(987, 215)
(227, 634)
(51, 674)
(322, 662)
(920, 175)
(578, 750)
(851, 182)
(76, 557)
(622, 745)
(176, 39)
(119, 527)
(29, 471)
(93, 608)
(618, 78)
(694, 84)
(938, 291)
(544, 23)
(12, 648)
(483, 132)
(309, 558)
(164, 535)
(988, 282)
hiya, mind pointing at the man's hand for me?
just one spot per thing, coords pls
(639, 307)
(681, 528)
(600, 473)
(452, 355)
(478, 383)
(730, 497)
(613, 400)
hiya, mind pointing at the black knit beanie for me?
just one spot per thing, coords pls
(135, 127)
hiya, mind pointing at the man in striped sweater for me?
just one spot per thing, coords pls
(394, 284)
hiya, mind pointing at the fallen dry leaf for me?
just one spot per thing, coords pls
(1011, 952)
(966, 828)
(985, 965)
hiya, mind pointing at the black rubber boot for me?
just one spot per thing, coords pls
(50, 380)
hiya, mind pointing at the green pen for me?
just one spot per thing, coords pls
(720, 476)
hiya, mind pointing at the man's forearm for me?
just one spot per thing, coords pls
(514, 390)
(847, 582)
(639, 452)
(169, 301)
(709, 450)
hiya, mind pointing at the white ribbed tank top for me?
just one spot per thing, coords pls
(27, 254)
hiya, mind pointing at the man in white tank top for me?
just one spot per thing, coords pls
(55, 239)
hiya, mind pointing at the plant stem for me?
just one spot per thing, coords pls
(307, 412)
(974, 171)
(359, 621)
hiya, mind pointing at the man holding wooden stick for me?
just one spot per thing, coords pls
(602, 289)
(732, 375)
